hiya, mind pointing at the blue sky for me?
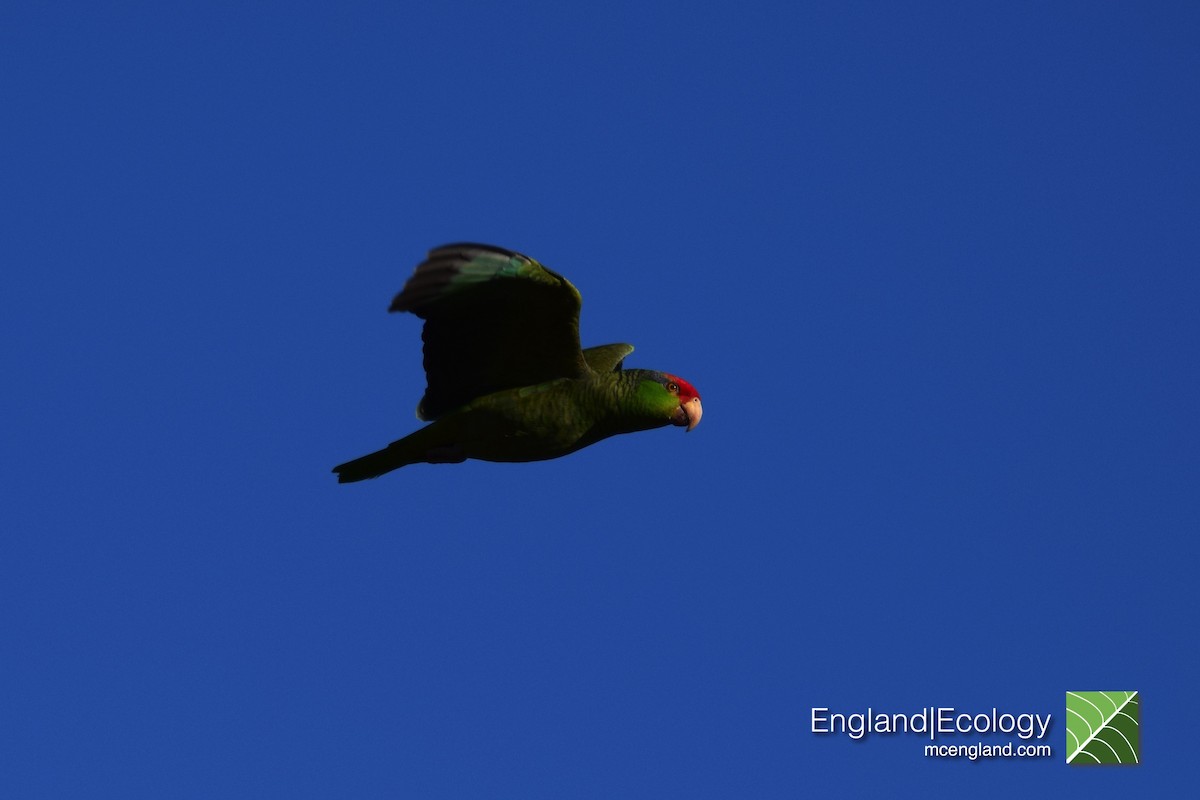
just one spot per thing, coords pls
(933, 268)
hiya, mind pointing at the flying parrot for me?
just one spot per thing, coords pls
(506, 377)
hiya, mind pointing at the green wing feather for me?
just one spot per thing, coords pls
(606, 357)
(494, 320)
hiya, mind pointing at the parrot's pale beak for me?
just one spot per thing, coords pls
(688, 413)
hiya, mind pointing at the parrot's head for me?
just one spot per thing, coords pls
(689, 411)
(672, 397)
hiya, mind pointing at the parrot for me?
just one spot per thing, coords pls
(506, 378)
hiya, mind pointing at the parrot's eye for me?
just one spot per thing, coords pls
(673, 387)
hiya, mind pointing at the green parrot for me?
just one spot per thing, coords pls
(506, 377)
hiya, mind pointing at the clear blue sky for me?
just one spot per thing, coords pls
(932, 266)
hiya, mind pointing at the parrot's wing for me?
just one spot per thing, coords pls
(607, 357)
(494, 320)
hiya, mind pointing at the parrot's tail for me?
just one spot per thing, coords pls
(415, 448)
(372, 465)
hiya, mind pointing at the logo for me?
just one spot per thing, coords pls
(1103, 728)
(951, 733)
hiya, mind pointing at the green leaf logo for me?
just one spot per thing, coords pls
(1102, 728)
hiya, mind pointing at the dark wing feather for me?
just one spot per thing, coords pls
(494, 320)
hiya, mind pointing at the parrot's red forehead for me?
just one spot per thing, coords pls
(686, 390)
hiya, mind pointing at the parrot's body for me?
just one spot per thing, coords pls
(507, 379)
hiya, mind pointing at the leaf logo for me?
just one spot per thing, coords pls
(1102, 728)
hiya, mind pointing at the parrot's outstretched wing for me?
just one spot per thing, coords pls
(607, 357)
(494, 320)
